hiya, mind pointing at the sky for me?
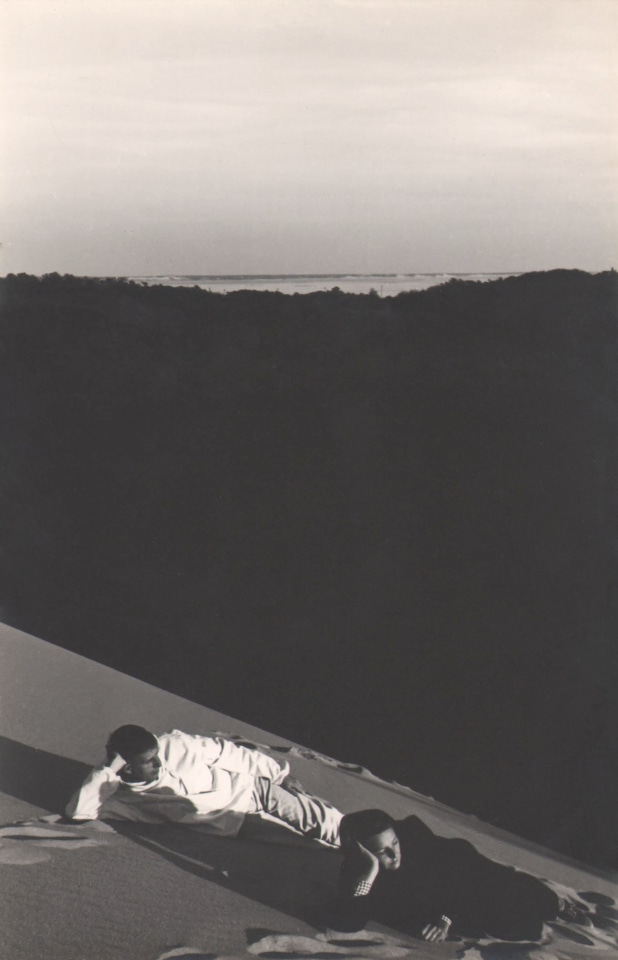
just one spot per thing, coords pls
(282, 136)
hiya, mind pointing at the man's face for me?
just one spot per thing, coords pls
(144, 766)
(385, 846)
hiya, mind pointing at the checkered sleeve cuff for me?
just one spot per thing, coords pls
(362, 888)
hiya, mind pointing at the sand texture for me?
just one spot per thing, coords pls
(102, 891)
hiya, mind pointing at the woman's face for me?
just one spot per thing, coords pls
(385, 846)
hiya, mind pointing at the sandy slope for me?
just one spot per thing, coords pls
(143, 893)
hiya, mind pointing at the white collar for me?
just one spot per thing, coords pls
(142, 785)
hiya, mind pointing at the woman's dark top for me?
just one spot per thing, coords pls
(440, 876)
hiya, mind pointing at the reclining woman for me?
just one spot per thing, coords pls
(403, 875)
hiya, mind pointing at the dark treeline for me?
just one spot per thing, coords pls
(386, 529)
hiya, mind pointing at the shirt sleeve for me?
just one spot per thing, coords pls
(234, 758)
(352, 910)
(100, 784)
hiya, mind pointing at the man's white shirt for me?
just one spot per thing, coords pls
(203, 780)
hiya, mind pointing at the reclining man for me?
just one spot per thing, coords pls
(197, 780)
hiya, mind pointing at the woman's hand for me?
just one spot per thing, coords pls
(436, 932)
(368, 863)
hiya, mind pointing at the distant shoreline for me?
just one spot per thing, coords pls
(384, 284)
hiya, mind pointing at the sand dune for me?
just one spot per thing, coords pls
(142, 892)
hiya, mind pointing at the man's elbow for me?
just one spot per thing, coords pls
(73, 813)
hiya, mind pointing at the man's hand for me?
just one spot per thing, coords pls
(116, 763)
(292, 785)
(436, 932)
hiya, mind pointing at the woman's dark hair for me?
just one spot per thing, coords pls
(364, 824)
(130, 740)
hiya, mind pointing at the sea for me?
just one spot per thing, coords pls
(384, 284)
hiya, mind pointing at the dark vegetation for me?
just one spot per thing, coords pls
(386, 529)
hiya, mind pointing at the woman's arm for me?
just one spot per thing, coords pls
(359, 872)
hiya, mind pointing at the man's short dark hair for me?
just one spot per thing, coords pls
(364, 824)
(130, 740)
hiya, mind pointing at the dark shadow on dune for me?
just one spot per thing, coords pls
(567, 934)
(507, 951)
(37, 776)
(591, 896)
(292, 875)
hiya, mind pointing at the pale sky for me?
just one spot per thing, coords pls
(285, 136)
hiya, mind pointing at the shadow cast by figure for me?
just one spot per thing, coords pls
(38, 777)
(265, 863)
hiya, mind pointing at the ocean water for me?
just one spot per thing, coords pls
(385, 284)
